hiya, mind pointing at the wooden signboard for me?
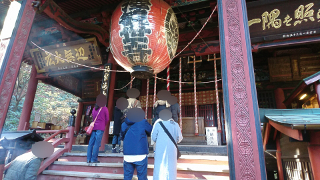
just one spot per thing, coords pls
(270, 20)
(280, 69)
(293, 68)
(187, 99)
(84, 51)
(91, 88)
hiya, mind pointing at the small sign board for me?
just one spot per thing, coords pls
(37, 117)
(212, 136)
(54, 120)
(111, 127)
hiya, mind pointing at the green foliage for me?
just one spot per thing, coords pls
(49, 102)
(53, 102)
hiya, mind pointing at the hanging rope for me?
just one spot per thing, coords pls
(147, 100)
(155, 90)
(168, 78)
(125, 85)
(184, 82)
(195, 96)
(197, 34)
(217, 92)
(180, 93)
(131, 81)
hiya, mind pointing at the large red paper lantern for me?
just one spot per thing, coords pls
(144, 36)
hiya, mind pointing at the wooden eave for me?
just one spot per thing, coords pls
(301, 87)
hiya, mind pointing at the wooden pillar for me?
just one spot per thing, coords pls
(12, 60)
(245, 149)
(79, 117)
(279, 96)
(110, 105)
(28, 102)
(279, 161)
(314, 153)
(317, 87)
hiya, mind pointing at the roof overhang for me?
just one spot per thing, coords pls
(290, 121)
(301, 88)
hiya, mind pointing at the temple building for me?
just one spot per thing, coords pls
(245, 72)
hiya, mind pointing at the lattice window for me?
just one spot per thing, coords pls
(187, 111)
(297, 169)
(266, 99)
(209, 113)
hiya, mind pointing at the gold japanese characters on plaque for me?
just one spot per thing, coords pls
(66, 55)
(289, 18)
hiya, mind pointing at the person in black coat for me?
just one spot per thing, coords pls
(117, 121)
(175, 110)
(157, 108)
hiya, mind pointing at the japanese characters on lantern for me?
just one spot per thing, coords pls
(144, 36)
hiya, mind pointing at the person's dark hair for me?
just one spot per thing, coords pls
(96, 107)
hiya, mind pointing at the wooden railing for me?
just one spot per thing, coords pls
(68, 140)
(67, 147)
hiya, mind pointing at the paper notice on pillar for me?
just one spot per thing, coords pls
(37, 117)
(111, 127)
(212, 136)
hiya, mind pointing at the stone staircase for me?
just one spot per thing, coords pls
(191, 165)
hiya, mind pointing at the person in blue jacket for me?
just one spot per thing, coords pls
(135, 148)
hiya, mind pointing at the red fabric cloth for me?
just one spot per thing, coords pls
(102, 120)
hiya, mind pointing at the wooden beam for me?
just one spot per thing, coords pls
(55, 12)
(275, 134)
(279, 161)
(295, 134)
(266, 135)
(60, 141)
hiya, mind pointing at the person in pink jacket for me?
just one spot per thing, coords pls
(102, 114)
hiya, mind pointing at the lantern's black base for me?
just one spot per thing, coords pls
(142, 72)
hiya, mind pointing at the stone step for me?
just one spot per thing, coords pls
(118, 158)
(108, 159)
(182, 172)
(185, 149)
(183, 156)
(180, 166)
(74, 175)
